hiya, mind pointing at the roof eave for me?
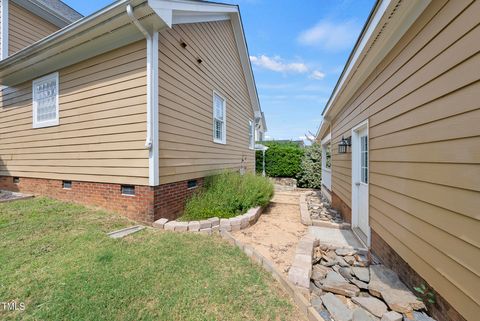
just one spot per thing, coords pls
(388, 22)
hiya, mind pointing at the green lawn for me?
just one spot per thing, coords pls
(55, 258)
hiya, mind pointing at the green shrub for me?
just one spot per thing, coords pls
(227, 195)
(281, 159)
(310, 175)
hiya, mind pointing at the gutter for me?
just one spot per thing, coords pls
(151, 140)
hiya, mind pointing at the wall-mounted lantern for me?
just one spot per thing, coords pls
(343, 145)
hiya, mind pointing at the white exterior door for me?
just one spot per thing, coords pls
(360, 177)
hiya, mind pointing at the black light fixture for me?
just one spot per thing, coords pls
(344, 143)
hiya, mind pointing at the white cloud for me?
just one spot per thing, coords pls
(278, 65)
(331, 35)
(317, 74)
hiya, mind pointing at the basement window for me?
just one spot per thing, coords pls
(192, 183)
(16, 180)
(128, 190)
(67, 184)
(45, 101)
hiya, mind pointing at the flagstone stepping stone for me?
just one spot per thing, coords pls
(346, 273)
(360, 284)
(349, 259)
(334, 276)
(342, 288)
(341, 261)
(361, 315)
(372, 305)
(345, 252)
(361, 273)
(319, 272)
(385, 284)
(392, 316)
(336, 308)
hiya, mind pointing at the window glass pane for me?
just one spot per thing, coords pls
(218, 107)
(46, 99)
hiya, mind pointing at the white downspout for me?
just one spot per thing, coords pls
(151, 141)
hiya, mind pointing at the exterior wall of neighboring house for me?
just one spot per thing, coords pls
(25, 28)
(102, 124)
(422, 108)
(187, 149)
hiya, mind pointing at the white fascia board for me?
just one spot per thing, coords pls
(361, 47)
(196, 6)
(327, 139)
(4, 29)
(390, 22)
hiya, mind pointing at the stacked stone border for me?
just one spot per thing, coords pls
(299, 295)
(213, 224)
(306, 219)
(301, 270)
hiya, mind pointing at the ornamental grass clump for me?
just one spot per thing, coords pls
(227, 195)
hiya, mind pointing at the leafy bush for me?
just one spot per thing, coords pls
(227, 195)
(281, 159)
(310, 174)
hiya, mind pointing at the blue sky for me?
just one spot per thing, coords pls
(298, 50)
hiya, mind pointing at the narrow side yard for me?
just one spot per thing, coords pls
(278, 230)
(56, 259)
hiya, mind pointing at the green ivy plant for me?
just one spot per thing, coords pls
(425, 295)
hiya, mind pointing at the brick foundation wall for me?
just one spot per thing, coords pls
(441, 310)
(108, 196)
(147, 205)
(341, 206)
(170, 198)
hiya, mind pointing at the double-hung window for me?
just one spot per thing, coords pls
(251, 135)
(219, 119)
(45, 101)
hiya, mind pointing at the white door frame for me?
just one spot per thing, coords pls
(356, 178)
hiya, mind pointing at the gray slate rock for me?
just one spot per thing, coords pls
(392, 316)
(319, 272)
(336, 308)
(342, 288)
(326, 261)
(345, 251)
(334, 276)
(385, 284)
(317, 303)
(361, 273)
(360, 284)
(346, 273)
(372, 305)
(418, 316)
(360, 314)
(341, 261)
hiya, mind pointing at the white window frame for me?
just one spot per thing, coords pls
(47, 123)
(224, 127)
(251, 134)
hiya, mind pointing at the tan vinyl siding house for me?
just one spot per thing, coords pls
(421, 104)
(26, 28)
(102, 124)
(186, 91)
(135, 107)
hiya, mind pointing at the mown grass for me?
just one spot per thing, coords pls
(227, 195)
(56, 258)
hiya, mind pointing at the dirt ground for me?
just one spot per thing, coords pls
(278, 230)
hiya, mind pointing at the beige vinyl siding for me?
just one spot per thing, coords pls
(25, 28)
(422, 104)
(102, 128)
(187, 149)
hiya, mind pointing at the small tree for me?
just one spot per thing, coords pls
(310, 174)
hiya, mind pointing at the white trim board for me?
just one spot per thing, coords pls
(152, 111)
(4, 29)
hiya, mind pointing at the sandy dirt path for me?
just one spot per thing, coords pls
(278, 230)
